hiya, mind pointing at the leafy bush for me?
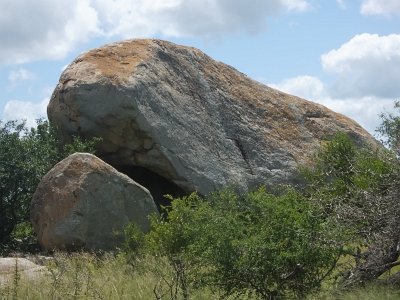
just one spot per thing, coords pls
(272, 246)
(171, 238)
(357, 189)
(134, 242)
(257, 245)
(341, 168)
(389, 129)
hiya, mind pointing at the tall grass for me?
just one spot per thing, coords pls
(367, 293)
(87, 276)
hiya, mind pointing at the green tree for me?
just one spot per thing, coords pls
(25, 157)
(357, 190)
(389, 129)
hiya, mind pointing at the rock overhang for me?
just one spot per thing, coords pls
(198, 123)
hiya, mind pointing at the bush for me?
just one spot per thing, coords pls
(269, 246)
(357, 190)
(134, 243)
(257, 245)
(170, 238)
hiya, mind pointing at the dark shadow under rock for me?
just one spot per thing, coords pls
(156, 184)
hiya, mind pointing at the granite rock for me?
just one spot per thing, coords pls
(199, 123)
(84, 203)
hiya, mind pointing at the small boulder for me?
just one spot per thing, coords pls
(25, 268)
(84, 203)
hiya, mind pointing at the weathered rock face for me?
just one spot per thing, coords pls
(176, 113)
(85, 203)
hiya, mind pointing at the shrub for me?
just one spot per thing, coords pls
(134, 242)
(258, 245)
(171, 237)
(357, 189)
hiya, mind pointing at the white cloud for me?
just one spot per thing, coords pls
(178, 18)
(25, 110)
(20, 74)
(367, 65)
(364, 110)
(341, 3)
(366, 72)
(295, 5)
(380, 7)
(48, 29)
(32, 30)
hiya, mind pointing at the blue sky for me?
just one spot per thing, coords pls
(342, 54)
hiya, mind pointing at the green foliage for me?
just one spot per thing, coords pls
(389, 129)
(257, 245)
(334, 168)
(342, 170)
(357, 191)
(339, 178)
(268, 246)
(171, 238)
(22, 230)
(80, 145)
(25, 156)
(134, 242)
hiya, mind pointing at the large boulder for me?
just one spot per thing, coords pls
(84, 203)
(174, 113)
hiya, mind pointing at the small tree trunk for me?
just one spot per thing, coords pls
(377, 260)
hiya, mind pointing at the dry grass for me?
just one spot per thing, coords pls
(368, 293)
(85, 276)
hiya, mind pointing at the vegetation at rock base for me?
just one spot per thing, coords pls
(357, 190)
(341, 226)
(257, 245)
(335, 236)
(109, 277)
(26, 154)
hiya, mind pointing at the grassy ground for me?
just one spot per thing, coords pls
(369, 293)
(85, 276)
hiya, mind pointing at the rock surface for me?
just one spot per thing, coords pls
(199, 123)
(84, 203)
(27, 270)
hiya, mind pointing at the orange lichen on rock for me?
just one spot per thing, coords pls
(118, 61)
(206, 124)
